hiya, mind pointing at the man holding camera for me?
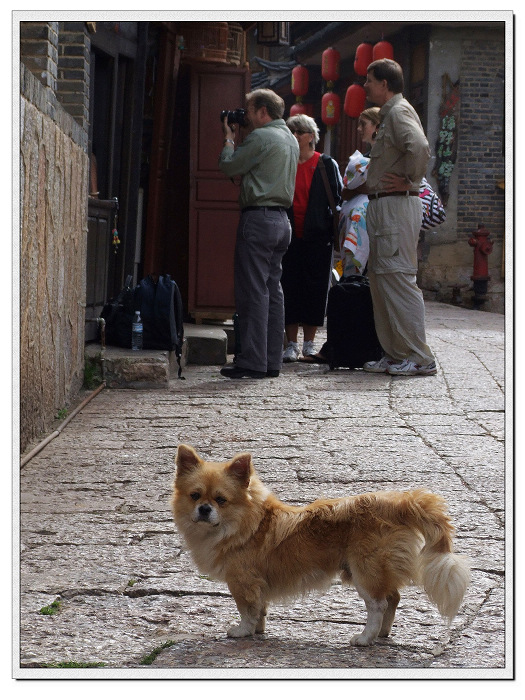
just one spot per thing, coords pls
(267, 164)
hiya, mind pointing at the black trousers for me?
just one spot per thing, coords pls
(307, 268)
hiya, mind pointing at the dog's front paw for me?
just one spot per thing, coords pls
(361, 640)
(261, 625)
(241, 630)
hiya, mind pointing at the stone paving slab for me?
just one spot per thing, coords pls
(97, 537)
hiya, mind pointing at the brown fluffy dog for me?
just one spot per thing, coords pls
(240, 533)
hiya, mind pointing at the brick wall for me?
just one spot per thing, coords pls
(475, 57)
(481, 138)
(58, 55)
(73, 70)
(39, 49)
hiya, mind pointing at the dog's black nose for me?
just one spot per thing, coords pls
(204, 510)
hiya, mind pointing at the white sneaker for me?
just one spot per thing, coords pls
(308, 348)
(291, 354)
(407, 368)
(378, 365)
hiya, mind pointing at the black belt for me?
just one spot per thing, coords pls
(378, 195)
(258, 208)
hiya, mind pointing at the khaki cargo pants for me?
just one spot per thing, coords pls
(393, 225)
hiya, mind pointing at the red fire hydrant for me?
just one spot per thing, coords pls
(480, 241)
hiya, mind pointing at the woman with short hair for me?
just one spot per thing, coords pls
(307, 263)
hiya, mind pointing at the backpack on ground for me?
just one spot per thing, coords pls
(160, 304)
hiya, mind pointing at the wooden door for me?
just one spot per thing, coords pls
(101, 219)
(213, 198)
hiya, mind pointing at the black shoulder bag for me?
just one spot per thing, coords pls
(331, 200)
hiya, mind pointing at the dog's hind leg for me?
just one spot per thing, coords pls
(375, 608)
(390, 613)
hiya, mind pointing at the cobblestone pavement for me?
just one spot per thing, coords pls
(98, 547)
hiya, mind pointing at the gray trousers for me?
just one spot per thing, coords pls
(263, 236)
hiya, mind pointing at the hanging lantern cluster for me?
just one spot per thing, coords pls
(365, 53)
(300, 81)
(355, 98)
(330, 103)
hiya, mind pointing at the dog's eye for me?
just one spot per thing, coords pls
(195, 496)
(220, 500)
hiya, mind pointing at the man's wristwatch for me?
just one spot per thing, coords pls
(229, 141)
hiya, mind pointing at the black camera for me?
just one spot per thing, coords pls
(237, 116)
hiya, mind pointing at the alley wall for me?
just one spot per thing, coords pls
(54, 171)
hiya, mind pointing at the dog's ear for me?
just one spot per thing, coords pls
(241, 468)
(187, 459)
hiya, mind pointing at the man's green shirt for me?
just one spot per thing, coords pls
(267, 161)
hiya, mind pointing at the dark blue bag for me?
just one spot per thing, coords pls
(160, 305)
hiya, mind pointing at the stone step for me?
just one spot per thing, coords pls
(121, 368)
(207, 344)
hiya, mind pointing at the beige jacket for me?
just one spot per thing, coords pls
(400, 146)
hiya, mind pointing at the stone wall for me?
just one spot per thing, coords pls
(54, 171)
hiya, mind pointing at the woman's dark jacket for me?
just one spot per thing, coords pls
(318, 222)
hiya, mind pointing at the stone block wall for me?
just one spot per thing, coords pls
(54, 169)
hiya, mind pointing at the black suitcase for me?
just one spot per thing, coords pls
(350, 332)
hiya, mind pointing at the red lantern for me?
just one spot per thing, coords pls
(363, 58)
(300, 80)
(302, 108)
(355, 100)
(309, 110)
(297, 108)
(383, 49)
(330, 65)
(330, 108)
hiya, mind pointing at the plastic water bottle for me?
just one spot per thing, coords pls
(136, 332)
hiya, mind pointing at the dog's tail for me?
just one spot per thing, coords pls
(444, 575)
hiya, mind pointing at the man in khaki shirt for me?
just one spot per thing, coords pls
(398, 161)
